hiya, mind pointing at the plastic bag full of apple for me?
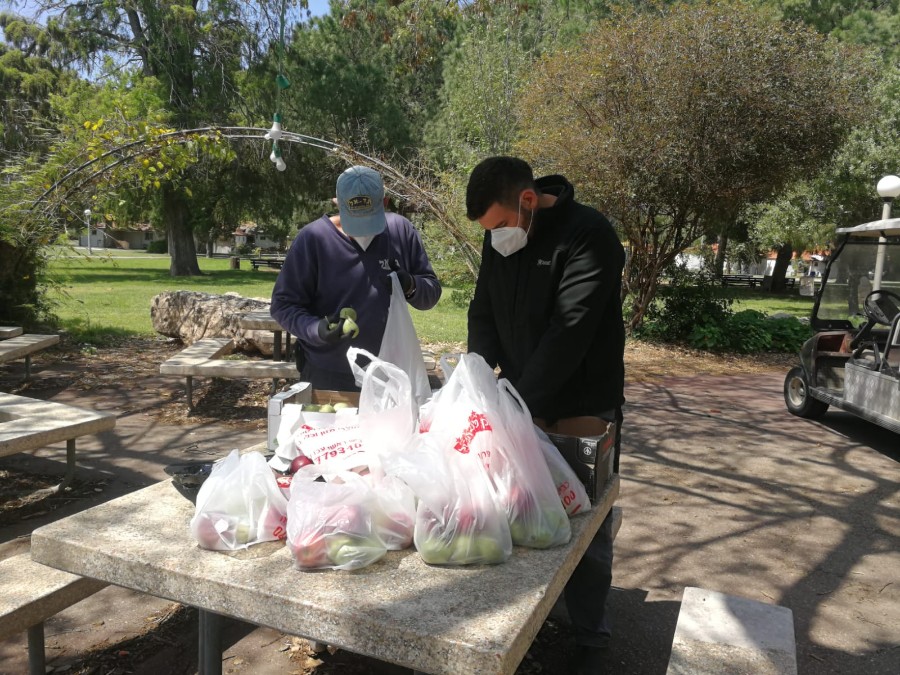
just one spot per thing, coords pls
(463, 478)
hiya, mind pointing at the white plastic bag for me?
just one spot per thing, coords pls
(571, 491)
(457, 417)
(521, 478)
(239, 504)
(395, 519)
(333, 524)
(457, 520)
(388, 413)
(400, 344)
(487, 421)
(296, 423)
(338, 445)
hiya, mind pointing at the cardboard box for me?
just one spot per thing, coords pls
(301, 392)
(591, 456)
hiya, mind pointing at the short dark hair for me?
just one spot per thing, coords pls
(497, 180)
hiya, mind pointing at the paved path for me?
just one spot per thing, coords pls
(722, 489)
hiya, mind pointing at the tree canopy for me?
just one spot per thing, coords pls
(674, 119)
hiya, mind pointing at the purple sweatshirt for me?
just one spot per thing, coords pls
(326, 271)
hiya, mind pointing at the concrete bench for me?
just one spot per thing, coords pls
(30, 593)
(7, 332)
(25, 345)
(203, 359)
(29, 423)
(718, 633)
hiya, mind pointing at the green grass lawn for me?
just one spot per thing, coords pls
(104, 296)
(789, 301)
(108, 295)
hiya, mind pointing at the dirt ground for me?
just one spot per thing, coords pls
(721, 489)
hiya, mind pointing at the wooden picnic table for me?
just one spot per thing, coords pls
(442, 620)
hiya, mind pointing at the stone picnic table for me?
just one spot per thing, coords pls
(262, 320)
(29, 423)
(7, 332)
(441, 620)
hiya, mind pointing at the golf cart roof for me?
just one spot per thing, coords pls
(877, 228)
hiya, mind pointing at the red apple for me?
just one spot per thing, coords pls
(309, 549)
(298, 463)
(206, 528)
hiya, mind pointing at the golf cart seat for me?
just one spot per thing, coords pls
(871, 357)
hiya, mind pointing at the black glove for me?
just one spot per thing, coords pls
(331, 330)
(407, 283)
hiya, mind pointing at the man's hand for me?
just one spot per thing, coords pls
(407, 282)
(331, 330)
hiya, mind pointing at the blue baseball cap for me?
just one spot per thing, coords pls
(360, 197)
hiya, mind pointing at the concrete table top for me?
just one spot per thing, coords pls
(24, 345)
(9, 332)
(262, 320)
(29, 423)
(441, 620)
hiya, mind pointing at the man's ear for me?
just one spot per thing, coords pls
(529, 199)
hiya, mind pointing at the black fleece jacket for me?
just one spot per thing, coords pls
(550, 315)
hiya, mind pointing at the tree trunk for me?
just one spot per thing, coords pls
(180, 234)
(719, 264)
(785, 253)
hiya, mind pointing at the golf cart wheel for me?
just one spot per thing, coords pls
(797, 398)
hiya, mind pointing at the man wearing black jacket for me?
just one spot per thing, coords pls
(547, 309)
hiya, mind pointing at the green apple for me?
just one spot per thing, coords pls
(489, 550)
(326, 408)
(518, 531)
(310, 407)
(464, 549)
(434, 551)
(350, 551)
(341, 405)
(348, 313)
(350, 328)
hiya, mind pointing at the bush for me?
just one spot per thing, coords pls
(243, 249)
(158, 246)
(788, 334)
(694, 309)
(750, 332)
(690, 299)
(462, 297)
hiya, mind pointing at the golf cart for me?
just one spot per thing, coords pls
(853, 360)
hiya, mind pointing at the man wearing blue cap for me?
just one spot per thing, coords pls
(343, 261)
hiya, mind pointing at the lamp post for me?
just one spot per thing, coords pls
(888, 189)
(87, 220)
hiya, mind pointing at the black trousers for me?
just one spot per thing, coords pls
(587, 590)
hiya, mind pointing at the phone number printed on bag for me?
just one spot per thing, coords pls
(329, 442)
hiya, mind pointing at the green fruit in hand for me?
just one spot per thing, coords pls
(341, 406)
(350, 328)
(327, 408)
(310, 407)
(348, 313)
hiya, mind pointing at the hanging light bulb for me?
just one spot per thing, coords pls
(276, 158)
(274, 133)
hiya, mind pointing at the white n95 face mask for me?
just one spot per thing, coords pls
(364, 241)
(508, 240)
